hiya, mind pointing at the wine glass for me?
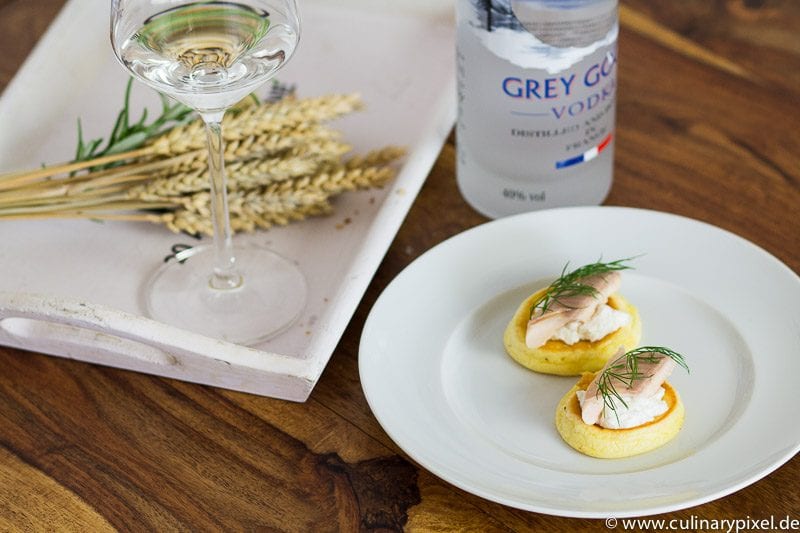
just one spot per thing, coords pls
(209, 55)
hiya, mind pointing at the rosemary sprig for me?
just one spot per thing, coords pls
(126, 136)
(568, 284)
(625, 369)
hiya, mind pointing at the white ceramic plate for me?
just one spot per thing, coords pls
(436, 375)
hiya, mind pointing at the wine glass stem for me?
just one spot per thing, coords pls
(225, 275)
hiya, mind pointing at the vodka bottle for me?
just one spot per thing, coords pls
(536, 102)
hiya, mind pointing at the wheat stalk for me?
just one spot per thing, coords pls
(303, 140)
(253, 121)
(282, 164)
(300, 161)
(258, 121)
(374, 158)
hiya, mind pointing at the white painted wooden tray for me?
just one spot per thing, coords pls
(70, 288)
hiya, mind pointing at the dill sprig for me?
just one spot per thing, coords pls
(569, 284)
(625, 369)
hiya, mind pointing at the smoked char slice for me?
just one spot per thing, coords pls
(542, 326)
(650, 375)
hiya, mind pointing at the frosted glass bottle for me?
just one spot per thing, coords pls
(536, 102)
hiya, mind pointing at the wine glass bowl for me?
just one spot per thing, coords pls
(209, 55)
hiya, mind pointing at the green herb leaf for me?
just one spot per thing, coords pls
(569, 284)
(625, 369)
(126, 136)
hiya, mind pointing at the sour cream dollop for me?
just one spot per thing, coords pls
(605, 320)
(638, 411)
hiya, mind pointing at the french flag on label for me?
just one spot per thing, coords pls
(588, 155)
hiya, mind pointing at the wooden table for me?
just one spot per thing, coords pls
(90, 448)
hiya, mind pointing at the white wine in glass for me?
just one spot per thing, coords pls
(210, 55)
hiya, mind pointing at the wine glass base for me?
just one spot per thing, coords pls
(270, 299)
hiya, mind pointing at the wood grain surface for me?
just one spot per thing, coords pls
(86, 448)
